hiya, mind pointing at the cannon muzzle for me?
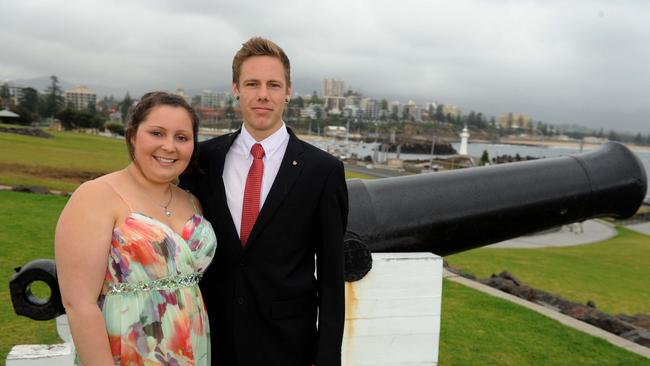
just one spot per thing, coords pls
(25, 302)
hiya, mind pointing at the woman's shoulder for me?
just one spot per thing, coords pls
(98, 191)
(93, 203)
(196, 205)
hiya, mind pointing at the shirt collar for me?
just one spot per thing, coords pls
(270, 144)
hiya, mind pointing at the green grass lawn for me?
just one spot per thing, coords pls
(61, 163)
(614, 273)
(476, 329)
(350, 175)
(27, 223)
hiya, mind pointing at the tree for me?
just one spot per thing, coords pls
(115, 128)
(613, 136)
(71, 119)
(431, 111)
(480, 121)
(25, 117)
(485, 158)
(314, 98)
(125, 106)
(92, 108)
(440, 115)
(68, 119)
(471, 119)
(54, 100)
(384, 105)
(29, 100)
(297, 102)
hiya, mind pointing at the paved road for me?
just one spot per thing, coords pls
(643, 228)
(590, 231)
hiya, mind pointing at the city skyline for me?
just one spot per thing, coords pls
(580, 63)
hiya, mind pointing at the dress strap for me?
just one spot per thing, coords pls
(119, 195)
(192, 201)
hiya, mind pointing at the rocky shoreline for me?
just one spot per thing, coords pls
(26, 131)
(635, 328)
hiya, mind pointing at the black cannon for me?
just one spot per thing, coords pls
(454, 211)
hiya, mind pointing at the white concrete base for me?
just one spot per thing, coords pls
(41, 355)
(45, 354)
(393, 314)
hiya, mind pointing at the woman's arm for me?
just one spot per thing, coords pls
(82, 244)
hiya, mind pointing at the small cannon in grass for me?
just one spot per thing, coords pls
(449, 212)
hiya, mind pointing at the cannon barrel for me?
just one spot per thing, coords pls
(450, 212)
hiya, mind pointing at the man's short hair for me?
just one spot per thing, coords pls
(258, 46)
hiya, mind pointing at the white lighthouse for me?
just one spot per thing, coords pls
(464, 136)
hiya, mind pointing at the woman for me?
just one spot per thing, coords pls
(130, 248)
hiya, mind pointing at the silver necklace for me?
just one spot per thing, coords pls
(168, 213)
(165, 207)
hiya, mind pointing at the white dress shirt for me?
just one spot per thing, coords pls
(238, 162)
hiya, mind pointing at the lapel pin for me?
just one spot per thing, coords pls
(294, 163)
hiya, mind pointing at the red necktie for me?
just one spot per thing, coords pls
(252, 194)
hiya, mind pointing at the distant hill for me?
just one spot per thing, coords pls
(302, 86)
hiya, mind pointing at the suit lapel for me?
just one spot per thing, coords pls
(216, 180)
(290, 169)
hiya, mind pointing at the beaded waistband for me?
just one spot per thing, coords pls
(166, 283)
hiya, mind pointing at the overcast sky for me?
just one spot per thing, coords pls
(579, 62)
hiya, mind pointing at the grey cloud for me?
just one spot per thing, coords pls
(561, 62)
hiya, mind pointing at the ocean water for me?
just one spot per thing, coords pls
(366, 149)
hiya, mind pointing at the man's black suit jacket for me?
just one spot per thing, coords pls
(263, 300)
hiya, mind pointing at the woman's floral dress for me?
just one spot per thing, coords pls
(151, 301)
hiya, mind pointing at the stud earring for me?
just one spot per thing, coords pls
(237, 97)
(286, 100)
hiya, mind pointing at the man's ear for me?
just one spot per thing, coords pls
(289, 92)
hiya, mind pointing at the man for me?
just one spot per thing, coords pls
(265, 305)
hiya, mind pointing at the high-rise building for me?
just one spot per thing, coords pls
(413, 111)
(353, 100)
(15, 90)
(222, 99)
(370, 108)
(334, 103)
(80, 98)
(511, 120)
(332, 88)
(208, 99)
(451, 110)
(395, 108)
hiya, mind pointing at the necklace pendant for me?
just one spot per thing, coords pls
(168, 213)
